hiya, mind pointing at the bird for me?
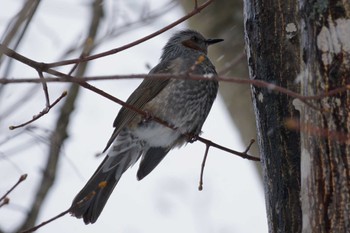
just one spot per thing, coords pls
(183, 103)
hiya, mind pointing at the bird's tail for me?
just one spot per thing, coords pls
(90, 201)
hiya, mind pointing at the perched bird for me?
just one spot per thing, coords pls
(182, 103)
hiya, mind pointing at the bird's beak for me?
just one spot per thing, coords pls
(213, 41)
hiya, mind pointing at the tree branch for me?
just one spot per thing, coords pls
(195, 11)
(21, 179)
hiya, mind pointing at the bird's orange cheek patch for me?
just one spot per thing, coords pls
(200, 59)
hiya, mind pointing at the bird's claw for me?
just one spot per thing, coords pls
(192, 138)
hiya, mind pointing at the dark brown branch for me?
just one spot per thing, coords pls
(200, 187)
(21, 178)
(195, 11)
(118, 30)
(86, 85)
(45, 89)
(257, 83)
(32, 229)
(85, 199)
(83, 83)
(5, 201)
(208, 144)
(243, 155)
(40, 114)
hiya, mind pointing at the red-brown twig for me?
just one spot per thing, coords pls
(32, 229)
(5, 201)
(257, 83)
(40, 114)
(82, 82)
(85, 199)
(46, 91)
(195, 11)
(21, 178)
(200, 187)
(208, 144)
(243, 155)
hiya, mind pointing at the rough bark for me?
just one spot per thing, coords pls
(325, 131)
(272, 45)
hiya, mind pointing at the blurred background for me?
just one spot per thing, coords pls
(58, 151)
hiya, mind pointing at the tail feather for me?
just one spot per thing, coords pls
(90, 201)
(150, 160)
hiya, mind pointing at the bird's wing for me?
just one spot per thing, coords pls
(145, 92)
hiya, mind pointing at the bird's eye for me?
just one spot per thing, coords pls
(194, 38)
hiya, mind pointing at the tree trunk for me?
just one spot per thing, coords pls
(325, 173)
(273, 52)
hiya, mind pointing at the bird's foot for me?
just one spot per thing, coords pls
(191, 138)
(147, 117)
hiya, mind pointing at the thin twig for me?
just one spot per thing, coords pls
(21, 178)
(32, 229)
(243, 154)
(40, 114)
(114, 31)
(208, 144)
(257, 83)
(46, 91)
(250, 145)
(85, 199)
(5, 201)
(195, 11)
(200, 187)
(81, 82)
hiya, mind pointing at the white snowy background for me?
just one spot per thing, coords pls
(168, 199)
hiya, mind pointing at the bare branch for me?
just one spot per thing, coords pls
(32, 229)
(257, 83)
(5, 201)
(46, 92)
(208, 144)
(40, 114)
(243, 155)
(21, 178)
(85, 199)
(82, 82)
(195, 11)
(200, 187)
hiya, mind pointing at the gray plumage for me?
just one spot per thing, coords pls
(184, 104)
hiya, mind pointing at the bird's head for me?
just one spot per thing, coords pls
(182, 41)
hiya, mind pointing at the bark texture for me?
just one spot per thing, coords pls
(325, 131)
(273, 50)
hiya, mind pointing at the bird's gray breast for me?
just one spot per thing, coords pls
(185, 103)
